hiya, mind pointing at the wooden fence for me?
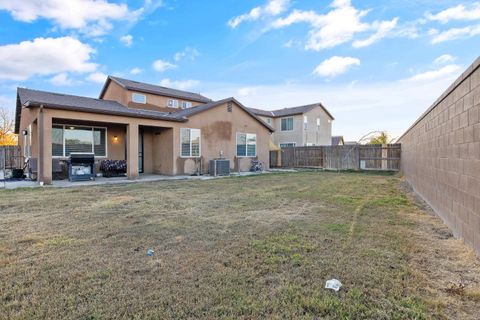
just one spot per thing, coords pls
(351, 157)
(10, 157)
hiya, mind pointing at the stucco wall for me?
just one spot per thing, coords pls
(299, 135)
(161, 138)
(314, 136)
(295, 135)
(153, 102)
(441, 156)
(218, 133)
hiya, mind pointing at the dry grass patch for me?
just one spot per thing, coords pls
(249, 247)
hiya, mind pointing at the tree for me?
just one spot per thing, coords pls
(381, 138)
(7, 137)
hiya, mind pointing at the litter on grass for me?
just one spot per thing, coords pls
(333, 284)
(150, 252)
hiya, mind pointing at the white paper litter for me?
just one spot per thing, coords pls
(333, 284)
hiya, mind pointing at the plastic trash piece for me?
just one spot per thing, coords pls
(333, 284)
(150, 252)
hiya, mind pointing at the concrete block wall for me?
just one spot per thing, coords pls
(441, 156)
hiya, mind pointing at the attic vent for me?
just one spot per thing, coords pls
(229, 107)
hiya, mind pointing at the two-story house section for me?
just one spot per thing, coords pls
(309, 125)
(148, 96)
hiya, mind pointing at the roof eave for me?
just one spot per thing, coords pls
(29, 104)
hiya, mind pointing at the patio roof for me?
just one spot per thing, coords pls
(35, 98)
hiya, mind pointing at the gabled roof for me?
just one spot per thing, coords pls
(153, 89)
(336, 140)
(290, 111)
(198, 109)
(33, 98)
(264, 113)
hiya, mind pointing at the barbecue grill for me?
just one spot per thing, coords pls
(81, 167)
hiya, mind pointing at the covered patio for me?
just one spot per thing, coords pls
(60, 133)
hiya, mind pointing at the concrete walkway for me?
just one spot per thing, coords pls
(121, 180)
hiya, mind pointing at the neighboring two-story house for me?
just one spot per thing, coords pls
(157, 130)
(309, 125)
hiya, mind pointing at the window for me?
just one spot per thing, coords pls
(186, 104)
(172, 103)
(287, 124)
(57, 141)
(190, 142)
(246, 144)
(68, 139)
(269, 121)
(139, 98)
(318, 124)
(288, 144)
(305, 123)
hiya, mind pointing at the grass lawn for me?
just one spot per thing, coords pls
(249, 247)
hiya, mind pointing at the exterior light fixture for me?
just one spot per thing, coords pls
(25, 132)
(115, 138)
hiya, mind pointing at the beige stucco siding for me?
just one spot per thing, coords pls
(161, 138)
(115, 92)
(218, 133)
(300, 136)
(314, 136)
(295, 135)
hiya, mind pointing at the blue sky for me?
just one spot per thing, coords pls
(376, 65)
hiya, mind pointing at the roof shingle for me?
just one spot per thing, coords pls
(28, 97)
(290, 111)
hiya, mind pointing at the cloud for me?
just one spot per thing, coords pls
(454, 34)
(136, 71)
(384, 28)
(162, 65)
(358, 108)
(179, 84)
(92, 17)
(336, 27)
(97, 77)
(271, 8)
(448, 70)
(459, 12)
(446, 58)
(335, 66)
(45, 56)
(187, 53)
(127, 40)
(61, 79)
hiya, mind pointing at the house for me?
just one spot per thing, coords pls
(337, 141)
(309, 125)
(155, 129)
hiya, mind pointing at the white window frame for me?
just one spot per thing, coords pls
(186, 104)
(136, 94)
(269, 121)
(294, 144)
(286, 118)
(93, 144)
(172, 103)
(199, 143)
(318, 124)
(246, 145)
(305, 122)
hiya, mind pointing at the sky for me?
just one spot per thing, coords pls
(375, 65)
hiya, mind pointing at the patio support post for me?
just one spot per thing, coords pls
(44, 130)
(132, 151)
